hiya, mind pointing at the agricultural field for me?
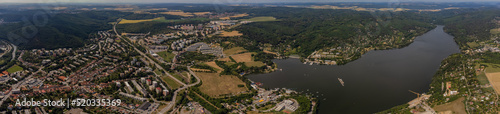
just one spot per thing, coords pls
(215, 85)
(201, 13)
(230, 34)
(454, 107)
(179, 13)
(234, 16)
(261, 19)
(14, 68)
(494, 79)
(126, 21)
(234, 50)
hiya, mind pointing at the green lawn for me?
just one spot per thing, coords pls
(482, 79)
(166, 55)
(473, 44)
(177, 76)
(14, 68)
(261, 19)
(170, 82)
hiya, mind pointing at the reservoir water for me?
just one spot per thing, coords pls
(377, 81)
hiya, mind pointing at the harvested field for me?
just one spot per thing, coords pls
(230, 34)
(215, 85)
(494, 79)
(234, 50)
(457, 107)
(125, 21)
(201, 13)
(179, 13)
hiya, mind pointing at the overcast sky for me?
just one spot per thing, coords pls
(225, 1)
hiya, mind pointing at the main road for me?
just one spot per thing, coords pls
(172, 103)
(17, 85)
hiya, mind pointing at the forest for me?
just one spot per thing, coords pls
(311, 29)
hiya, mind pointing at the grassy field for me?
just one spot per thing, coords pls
(457, 107)
(482, 78)
(234, 50)
(230, 34)
(166, 55)
(170, 82)
(492, 67)
(125, 21)
(177, 76)
(495, 31)
(215, 85)
(214, 65)
(244, 57)
(260, 19)
(14, 68)
(473, 44)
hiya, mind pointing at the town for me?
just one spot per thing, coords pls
(150, 73)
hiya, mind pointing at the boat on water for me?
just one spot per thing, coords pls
(341, 81)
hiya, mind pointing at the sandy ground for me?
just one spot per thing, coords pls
(457, 107)
(494, 79)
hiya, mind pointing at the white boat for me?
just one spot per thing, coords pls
(341, 81)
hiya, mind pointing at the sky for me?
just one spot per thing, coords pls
(224, 1)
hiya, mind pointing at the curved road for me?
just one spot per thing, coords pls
(172, 103)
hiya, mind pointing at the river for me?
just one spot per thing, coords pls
(379, 80)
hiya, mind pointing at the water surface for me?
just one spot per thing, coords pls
(377, 81)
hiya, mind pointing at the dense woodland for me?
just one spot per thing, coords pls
(312, 29)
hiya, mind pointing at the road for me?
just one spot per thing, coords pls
(145, 56)
(14, 52)
(172, 103)
(17, 85)
(8, 48)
